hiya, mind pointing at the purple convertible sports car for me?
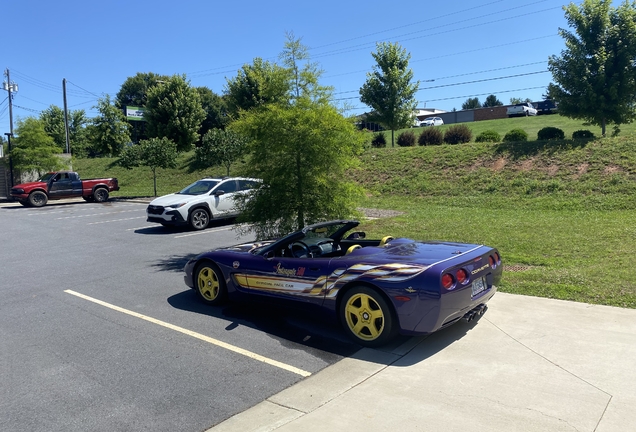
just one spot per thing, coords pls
(377, 288)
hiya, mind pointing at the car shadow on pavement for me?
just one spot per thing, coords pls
(164, 230)
(290, 326)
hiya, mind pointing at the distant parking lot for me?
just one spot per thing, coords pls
(99, 332)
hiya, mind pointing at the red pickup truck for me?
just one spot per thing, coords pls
(63, 184)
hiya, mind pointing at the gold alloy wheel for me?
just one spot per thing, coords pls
(208, 284)
(364, 317)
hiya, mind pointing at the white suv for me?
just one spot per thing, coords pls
(200, 202)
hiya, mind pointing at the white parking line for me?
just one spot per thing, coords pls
(195, 335)
(96, 214)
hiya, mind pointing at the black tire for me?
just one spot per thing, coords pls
(38, 199)
(366, 317)
(199, 219)
(209, 283)
(100, 195)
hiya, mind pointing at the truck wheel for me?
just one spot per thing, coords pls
(100, 195)
(199, 219)
(38, 199)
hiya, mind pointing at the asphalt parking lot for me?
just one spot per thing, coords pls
(99, 332)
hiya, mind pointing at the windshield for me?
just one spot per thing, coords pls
(199, 187)
(46, 176)
(324, 231)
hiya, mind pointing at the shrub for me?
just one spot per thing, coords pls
(516, 135)
(550, 133)
(488, 136)
(431, 136)
(583, 134)
(406, 139)
(379, 140)
(458, 134)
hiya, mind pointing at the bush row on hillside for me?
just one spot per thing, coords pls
(459, 134)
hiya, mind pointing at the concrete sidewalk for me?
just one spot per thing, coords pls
(529, 364)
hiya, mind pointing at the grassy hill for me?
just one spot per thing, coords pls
(563, 214)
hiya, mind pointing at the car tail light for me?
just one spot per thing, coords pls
(462, 276)
(491, 261)
(448, 281)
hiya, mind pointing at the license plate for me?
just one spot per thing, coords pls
(479, 285)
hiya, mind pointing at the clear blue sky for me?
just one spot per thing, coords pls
(470, 48)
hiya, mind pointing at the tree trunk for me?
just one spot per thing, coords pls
(392, 139)
(154, 180)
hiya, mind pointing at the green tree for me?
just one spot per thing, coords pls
(302, 74)
(594, 77)
(154, 153)
(174, 111)
(134, 92)
(301, 152)
(515, 100)
(492, 101)
(256, 85)
(389, 90)
(471, 103)
(53, 118)
(219, 147)
(108, 132)
(33, 149)
(216, 111)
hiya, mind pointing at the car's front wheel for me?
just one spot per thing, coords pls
(367, 317)
(199, 219)
(209, 283)
(38, 199)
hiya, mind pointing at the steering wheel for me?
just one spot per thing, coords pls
(300, 247)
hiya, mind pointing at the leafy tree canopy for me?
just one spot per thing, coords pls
(53, 118)
(256, 85)
(471, 103)
(134, 91)
(389, 90)
(516, 100)
(302, 153)
(492, 101)
(174, 111)
(216, 111)
(219, 147)
(108, 132)
(33, 149)
(594, 77)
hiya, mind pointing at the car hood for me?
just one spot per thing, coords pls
(29, 184)
(174, 198)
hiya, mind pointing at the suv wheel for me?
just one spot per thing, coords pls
(199, 219)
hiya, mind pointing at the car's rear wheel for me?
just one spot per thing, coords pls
(38, 199)
(199, 219)
(366, 317)
(209, 283)
(100, 195)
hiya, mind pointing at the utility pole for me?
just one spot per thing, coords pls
(66, 116)
(10, 87)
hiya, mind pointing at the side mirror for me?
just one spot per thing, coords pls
(219, 193)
